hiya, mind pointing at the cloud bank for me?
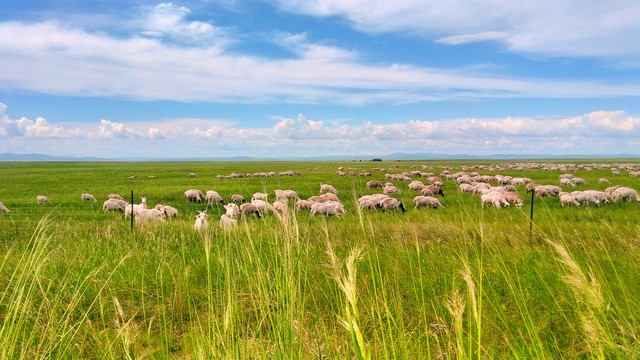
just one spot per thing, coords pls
(600, 28)
(596, 132)
(164, 55)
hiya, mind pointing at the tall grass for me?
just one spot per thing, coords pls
(460, 282)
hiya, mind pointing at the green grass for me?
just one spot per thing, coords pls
(459, 282)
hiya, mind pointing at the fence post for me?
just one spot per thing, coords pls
(132, 210)
(533, 193)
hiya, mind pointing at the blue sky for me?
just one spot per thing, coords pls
(285, 77)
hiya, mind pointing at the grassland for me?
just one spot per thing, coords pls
(463, 282)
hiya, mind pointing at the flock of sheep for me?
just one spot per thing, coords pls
(503, 193)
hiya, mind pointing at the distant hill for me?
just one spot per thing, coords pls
(393, 156)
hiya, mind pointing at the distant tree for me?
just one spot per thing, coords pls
(376, 160)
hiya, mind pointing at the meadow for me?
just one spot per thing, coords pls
(460, 282)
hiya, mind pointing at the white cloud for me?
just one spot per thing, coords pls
(108, 130)
(51, 58)
(596, 132)
(599, 28)
(167, 19)
(471, 38)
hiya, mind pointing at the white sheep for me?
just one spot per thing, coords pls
(194, 195)
(604, 181)
(625, 193)
(324, 209)
(115, 196)
(374, 184)
(416, 185)
(42, 199)
(232, 210)
(87, 197)
(213, 197)
(201, 223)
(169, 211)
(324, 198)
(391, 189)
(427, 201)
(238, 199)
(568, 199)
(392, 204)
(566, 182)
(286, 195)
(579, 181)
(149, 215)
(249, 209)
(495, 198)
(136, 207)
(259, 196)
(3, 208)
(192, 174)
(326, 188)
(263, 206)
(281, 206)
(227, 222)
(513, 198)
(303, 205)
(114, 205)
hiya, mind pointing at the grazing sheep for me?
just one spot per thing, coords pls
(87, 197)
(232, 210)
(391, 189)
(132, 177)
(531, 187)
(326, 188)
(213, 197)
(114, 205)
(634, 173)
(374, 184)
(625, 193)
(566, 182)
(249, 209)
(324, 209)
(585, 198)
(194, 195)
(416, 185)
(201, 223)
(136, 207)
(392, 204)
(341, 173)
(461, 188)
(495, 198)
(115, 196)
(436, 190)
(169, 211)
(3, 208)
(286, 195)
(238, 199)
(303, 205)
(281, 206)
(579, 181)
(227, 222)
(324, 198)
(428, 192)
(604, 181)
(192, 174)
(263, 206)
(369, 204)
(42, 199)
(149, 215)
(568, 199)
(427, 201)
(259, 196)
(513, 198)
